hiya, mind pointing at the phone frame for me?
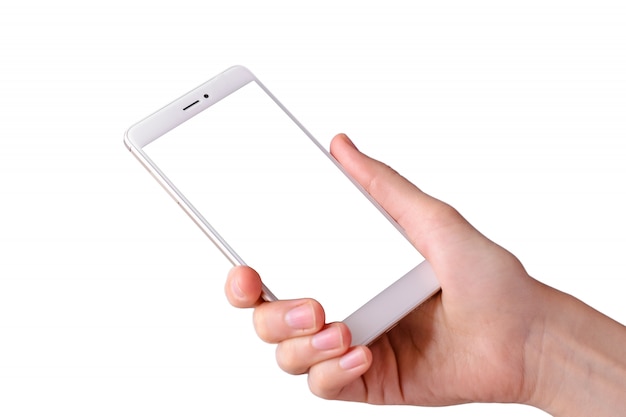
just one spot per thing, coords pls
(366, 323)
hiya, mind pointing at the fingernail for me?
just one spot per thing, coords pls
(352, 359)
(350, 141)
(237, 289)
(327, 339)
(301, 317)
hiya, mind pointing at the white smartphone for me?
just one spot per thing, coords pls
(270, 196)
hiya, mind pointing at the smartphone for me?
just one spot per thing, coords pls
(270, 196)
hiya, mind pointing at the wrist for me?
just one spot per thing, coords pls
(575, 359)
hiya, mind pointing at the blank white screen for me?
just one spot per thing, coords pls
(282, 204)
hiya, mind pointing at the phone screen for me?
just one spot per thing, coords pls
(282, 205)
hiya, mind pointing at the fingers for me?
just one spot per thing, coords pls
(243, 287)
(275, 321)
(281, 320)
(423, 217)
(329, 379)
(304, 341)
(298, 355)
(327, 357)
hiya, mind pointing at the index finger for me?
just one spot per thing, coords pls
(243, 287)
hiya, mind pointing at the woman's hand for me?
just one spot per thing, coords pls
(481, 339)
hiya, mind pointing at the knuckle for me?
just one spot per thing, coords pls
(261, 325)
(444, 214)
(289, 359)
(320, 385)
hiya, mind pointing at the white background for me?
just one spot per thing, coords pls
(111, 299)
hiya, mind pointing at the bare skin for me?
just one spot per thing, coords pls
(493, 334)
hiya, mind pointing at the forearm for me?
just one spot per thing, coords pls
(578, 360)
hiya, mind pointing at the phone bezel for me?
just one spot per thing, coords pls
(366, 323)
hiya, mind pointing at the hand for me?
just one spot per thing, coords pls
(465, 344)
(478, 340)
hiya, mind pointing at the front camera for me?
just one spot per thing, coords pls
(206, 96)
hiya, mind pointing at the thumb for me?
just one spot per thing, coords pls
(429, 223)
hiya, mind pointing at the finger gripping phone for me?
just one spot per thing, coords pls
(270, 196)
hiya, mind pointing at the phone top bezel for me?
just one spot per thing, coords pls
(174, 114)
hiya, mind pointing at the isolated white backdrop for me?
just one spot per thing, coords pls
(111, 299)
